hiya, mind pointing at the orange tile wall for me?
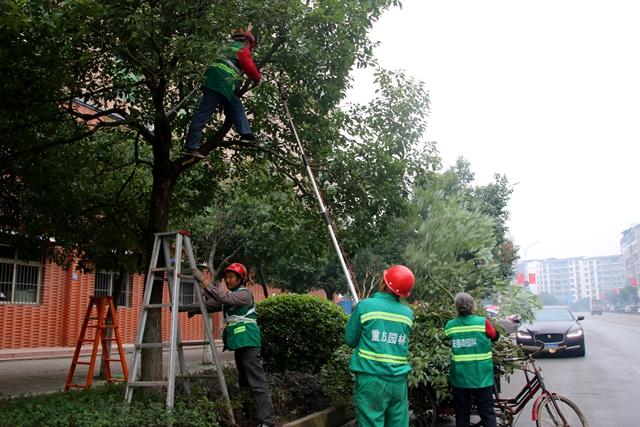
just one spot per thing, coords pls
(58, 320)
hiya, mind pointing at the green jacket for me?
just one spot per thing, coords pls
(241, 328)
(378, 330)
(471, 358)
(224, 74)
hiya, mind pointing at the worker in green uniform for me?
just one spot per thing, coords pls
(471, 372)
(241, 334)
(378, 330)
(218, 87)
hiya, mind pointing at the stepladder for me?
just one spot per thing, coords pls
(170, 251)
(101, 318)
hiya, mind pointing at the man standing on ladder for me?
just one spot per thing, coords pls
(241, 334)
(378, 330)
(219, 85)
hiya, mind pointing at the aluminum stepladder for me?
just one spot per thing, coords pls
(181, 241)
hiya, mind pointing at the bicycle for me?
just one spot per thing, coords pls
(549, 408)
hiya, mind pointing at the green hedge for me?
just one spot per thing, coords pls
(299, 332)
(337, 380)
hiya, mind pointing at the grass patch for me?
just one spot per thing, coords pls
(295, 394)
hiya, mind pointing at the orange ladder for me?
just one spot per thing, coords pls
(106, 319)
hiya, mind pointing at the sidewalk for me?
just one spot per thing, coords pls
(44, 370)
(47, 352)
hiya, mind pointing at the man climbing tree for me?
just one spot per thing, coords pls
(219, 85)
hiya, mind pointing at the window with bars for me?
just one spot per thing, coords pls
(187, 293)
(20, 277)
(104, 287)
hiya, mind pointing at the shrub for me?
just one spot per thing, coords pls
(296, 394)
(337, 380)
(429, 353)
(103, 406)
(299, 332)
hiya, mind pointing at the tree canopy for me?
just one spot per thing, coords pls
(112, 81)
(95, 104)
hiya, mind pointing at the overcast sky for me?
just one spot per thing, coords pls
(546, 92)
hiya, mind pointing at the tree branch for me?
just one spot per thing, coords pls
(58, 142)
(224, 261)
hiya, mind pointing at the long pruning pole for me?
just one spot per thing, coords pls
(323, 209)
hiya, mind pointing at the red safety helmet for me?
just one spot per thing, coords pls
(399, 279)
(237, 268)
(240, 34)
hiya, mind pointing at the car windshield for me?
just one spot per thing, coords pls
(553, 314)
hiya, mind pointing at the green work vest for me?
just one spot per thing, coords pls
(224, 74)
(241, 328)
(378, 329)
(471, 359)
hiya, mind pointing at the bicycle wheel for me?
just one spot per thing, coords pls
(564, 413)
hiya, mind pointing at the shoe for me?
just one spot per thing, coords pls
(193, 153)
(248, 137)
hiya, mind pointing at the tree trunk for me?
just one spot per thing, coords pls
(164, 180)
(263, 283)
(330, 292)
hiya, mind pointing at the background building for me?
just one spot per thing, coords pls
(572, 279)
(629, 248)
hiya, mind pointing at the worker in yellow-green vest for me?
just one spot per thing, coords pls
(378, 330)
(218, 87)
(471, 373)
(241, 334)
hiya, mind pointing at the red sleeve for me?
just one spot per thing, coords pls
(490, 330)
(247, 65)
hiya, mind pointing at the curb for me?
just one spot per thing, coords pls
(52, 353)
(330, 417)
(17, 354)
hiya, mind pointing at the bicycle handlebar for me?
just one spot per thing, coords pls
(533, 350)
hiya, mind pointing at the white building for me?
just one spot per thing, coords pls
(571, 279)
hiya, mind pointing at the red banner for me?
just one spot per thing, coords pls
(532, 278)
(520, 278)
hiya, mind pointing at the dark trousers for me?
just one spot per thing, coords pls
(208, 104)
(483, 397)
(251, 374)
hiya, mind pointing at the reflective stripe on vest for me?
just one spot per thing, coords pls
(232, 65)
(226, 68)
(383, 315)
(384, 358)
(461, 329)
(235, 318)
(240, 330)
(471, 357)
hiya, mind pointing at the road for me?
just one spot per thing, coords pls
(605, 384)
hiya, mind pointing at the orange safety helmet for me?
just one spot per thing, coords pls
(399, 279)
(239, 269)
(240, 34)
